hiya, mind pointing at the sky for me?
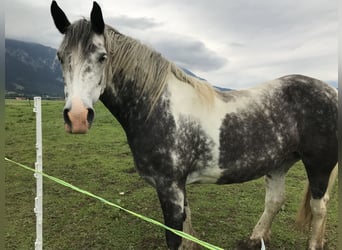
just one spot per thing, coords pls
(231, 43)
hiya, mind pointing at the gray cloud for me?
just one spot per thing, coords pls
(189, 53)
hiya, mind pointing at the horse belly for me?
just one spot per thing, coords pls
(208, 175)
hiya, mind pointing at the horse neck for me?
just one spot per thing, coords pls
(135, 76)
(135, 115)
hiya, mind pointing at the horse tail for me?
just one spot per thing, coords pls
(304, 215)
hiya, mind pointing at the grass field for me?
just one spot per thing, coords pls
(101, 163)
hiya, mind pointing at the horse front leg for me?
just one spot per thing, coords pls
(172, 196)
(176, 213)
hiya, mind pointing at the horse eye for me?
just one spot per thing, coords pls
(102, 58)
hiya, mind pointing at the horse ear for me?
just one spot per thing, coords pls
(61, 21)
(97, 23)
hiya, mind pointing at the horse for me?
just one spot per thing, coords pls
(183, 131)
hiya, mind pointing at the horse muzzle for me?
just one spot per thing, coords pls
(78, 119)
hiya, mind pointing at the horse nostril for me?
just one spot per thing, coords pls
(66, 117)
(90, 116)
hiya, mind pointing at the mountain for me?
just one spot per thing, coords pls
(222, 89)
(192, 74)
(32, 70)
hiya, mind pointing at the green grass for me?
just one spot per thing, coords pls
(101, 163)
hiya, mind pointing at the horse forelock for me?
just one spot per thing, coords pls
(78, 38)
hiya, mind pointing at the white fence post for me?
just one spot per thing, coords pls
(38, 208)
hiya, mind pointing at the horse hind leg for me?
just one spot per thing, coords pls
(313, 211)
(274, 199)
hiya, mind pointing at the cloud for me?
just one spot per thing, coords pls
(139, 23)
(189, 53)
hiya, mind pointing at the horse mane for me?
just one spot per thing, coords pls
(145, 67)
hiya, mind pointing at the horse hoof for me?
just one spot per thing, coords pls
(248, 245)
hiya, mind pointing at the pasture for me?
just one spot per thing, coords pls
(101, 162)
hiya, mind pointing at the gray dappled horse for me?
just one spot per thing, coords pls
(182, 131)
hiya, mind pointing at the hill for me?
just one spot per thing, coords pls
(32, 69)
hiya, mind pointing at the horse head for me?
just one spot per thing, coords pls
(82, 55)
